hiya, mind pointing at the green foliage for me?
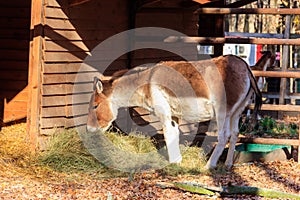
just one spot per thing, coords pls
(268, 126)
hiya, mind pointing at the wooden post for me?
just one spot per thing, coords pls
(299, 145)
(215, 28)
(285, 60)
(35, 63)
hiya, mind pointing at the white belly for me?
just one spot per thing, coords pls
(192, 109)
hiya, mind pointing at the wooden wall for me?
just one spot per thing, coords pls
(14, 55)
(171, 15)
(70, 36)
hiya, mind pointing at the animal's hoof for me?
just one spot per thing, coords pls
(178, 159)
(228, 165)
(209, 167)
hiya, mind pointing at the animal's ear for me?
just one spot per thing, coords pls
(98, 86)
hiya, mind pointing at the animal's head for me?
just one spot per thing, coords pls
(100, 114)
(266, 62)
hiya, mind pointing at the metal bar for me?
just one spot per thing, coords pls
(271, 11)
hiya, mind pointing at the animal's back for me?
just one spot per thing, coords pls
(233, 71)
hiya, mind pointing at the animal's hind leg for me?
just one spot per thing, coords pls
(223, 136)
(234, 129)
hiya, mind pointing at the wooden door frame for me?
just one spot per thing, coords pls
(34, 71)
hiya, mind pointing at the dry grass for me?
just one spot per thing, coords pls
(14, 148)
(66, 153)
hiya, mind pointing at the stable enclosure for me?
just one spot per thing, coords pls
(66, 32)
(45, 42)
(14, 51)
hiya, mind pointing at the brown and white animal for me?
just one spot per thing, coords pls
(265, 62)
(196, 91)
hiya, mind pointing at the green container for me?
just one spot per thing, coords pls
(260, 147)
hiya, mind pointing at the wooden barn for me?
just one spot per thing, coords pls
(44, 43)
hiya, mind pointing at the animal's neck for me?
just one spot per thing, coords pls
(261, 80)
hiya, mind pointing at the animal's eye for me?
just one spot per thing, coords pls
(95, 106)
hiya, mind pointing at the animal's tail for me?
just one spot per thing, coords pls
(258, 95)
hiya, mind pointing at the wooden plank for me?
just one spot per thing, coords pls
(69, 78)
(278, 74)
(15, 34)
(14, 85)
(67, 46)
(15, 44)
(13, 75)
(79, 56)
(77, 2)
(291, 108)
(14, 64)
(66, 99)
(260, 35)
(14, 23)
(226, 11)
(10, 94)
(285, 61)
(15, 108)
(15, 105)
(13, 54)
(222, 40)
(61, 122)
(13, 115)
(15, 12)
(65, 56)
(66, 89)
(291, 142)
(65, 111)
(35, 63)
(88, 24)
(15, 4)
(67, 68)
(93, 66)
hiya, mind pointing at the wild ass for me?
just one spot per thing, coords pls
(196, 91)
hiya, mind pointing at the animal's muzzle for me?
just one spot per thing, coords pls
(91, 129)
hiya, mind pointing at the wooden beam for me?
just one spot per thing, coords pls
(204, 1)
(35, 65)
(260, 35)
(290, 108)
(291, 142)
(277, 74)
(271, 11)
(222, 40)
(240, 3)
(285, 58)
(77, 2)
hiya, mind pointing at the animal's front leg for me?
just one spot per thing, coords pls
(171, 134)
(170, 128)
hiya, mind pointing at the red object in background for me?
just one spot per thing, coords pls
(258, 51)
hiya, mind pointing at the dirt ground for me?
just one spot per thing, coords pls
(33, 182)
